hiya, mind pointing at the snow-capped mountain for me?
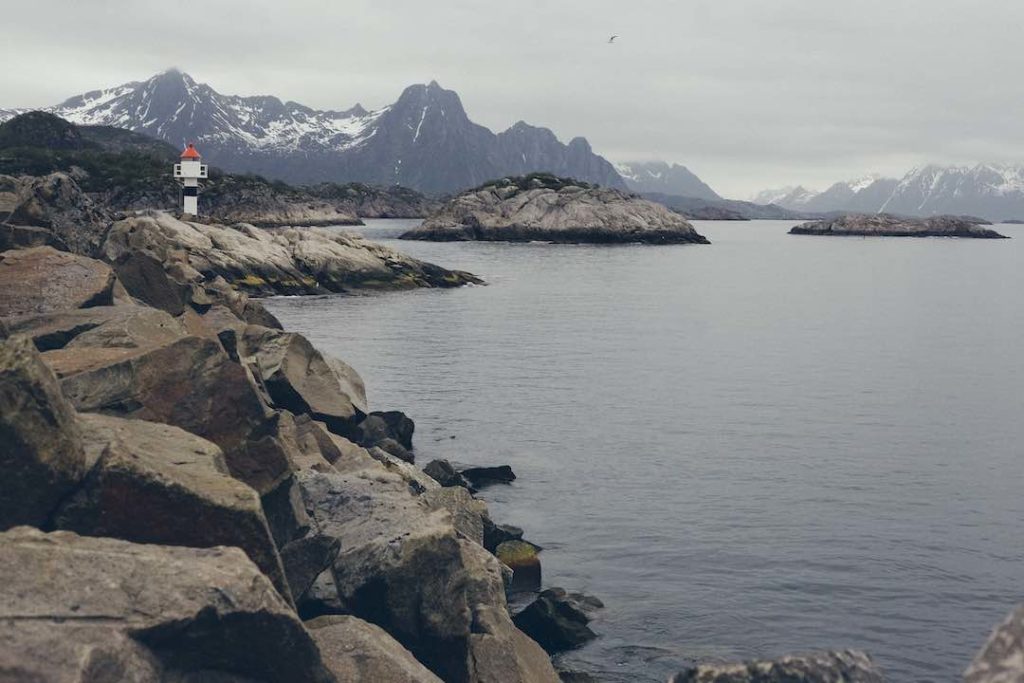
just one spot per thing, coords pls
(424, 140)
(994, 192)
(790, 197)
(660, 177)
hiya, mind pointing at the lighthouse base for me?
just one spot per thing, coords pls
(190, 205)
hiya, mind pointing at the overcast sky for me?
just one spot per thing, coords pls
(747, 93)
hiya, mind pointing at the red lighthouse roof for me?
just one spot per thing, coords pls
(190, 152)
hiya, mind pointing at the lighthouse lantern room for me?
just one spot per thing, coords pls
(189, 172)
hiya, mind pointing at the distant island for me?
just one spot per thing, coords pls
(544, 207)
(887, 225)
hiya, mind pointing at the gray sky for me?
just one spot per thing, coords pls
(748, 93)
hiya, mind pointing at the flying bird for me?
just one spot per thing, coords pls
(612, 39)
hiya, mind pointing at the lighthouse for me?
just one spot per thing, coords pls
(189, 172)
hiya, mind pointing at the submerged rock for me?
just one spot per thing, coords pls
(558, 620)
(74, 608)
(545, 208)
(480, 477)
(522, 557)
(41, 453)
(445, 474)
(1001, 659)
(886, 225)
(847, 666)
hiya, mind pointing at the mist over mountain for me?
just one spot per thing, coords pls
(990, 191)
(660, 177)
(425, 140)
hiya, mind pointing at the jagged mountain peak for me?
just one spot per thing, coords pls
(660, 177)
(424, 140)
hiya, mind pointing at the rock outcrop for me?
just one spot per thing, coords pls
(96, 609)
(886, 225)
(1001, 659)
(283, 261)
(848, 666)
(50, 210)
(544, 208)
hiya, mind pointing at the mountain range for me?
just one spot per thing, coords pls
(425, 140)
(990, 191)
(658, 177)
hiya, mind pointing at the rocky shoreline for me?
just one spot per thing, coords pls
(885, 225)
(542, 207)
(191, 493)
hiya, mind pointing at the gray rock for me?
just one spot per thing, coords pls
(404, 567)
(41, 454)
(355, 650)
(190, 383)
(57, 204)
(1001, 658)
(44, 280)
(307, 558)
(445, 474)
(480, 477)
(467, 512)
(154, 483)
(496, 534)
(298, 378)
(846, 666)
(280, 261)
(886, 225)
(554, 210)
(74, 608)
(112, 327)
(144, 278)
(558, 620)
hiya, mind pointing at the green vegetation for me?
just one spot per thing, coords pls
(534, 181)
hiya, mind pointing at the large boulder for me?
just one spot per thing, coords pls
(846, 666)
(298, 378)
(43, 280)
(146, 279)
(468, 513)
(74, 608)
(113, 327)
(405, 567)
(445, 474)
(41, 454)
(558, 620)
(479, 477)
(154, 483)
(355, 650)
(1001, 659)
(193, 384)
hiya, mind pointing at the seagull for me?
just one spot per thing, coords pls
(612, 39)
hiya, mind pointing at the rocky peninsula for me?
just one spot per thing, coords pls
(886, 225)
(542, 207)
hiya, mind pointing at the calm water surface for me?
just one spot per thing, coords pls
(769, 444)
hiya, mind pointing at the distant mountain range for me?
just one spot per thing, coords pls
(424, 140)
(646, 177)
(990, 191)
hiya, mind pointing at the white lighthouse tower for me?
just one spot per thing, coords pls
(189, 172)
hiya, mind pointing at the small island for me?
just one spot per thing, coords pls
(545, 208)
(887, 225)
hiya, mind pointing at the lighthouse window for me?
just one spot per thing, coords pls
(191, 191)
